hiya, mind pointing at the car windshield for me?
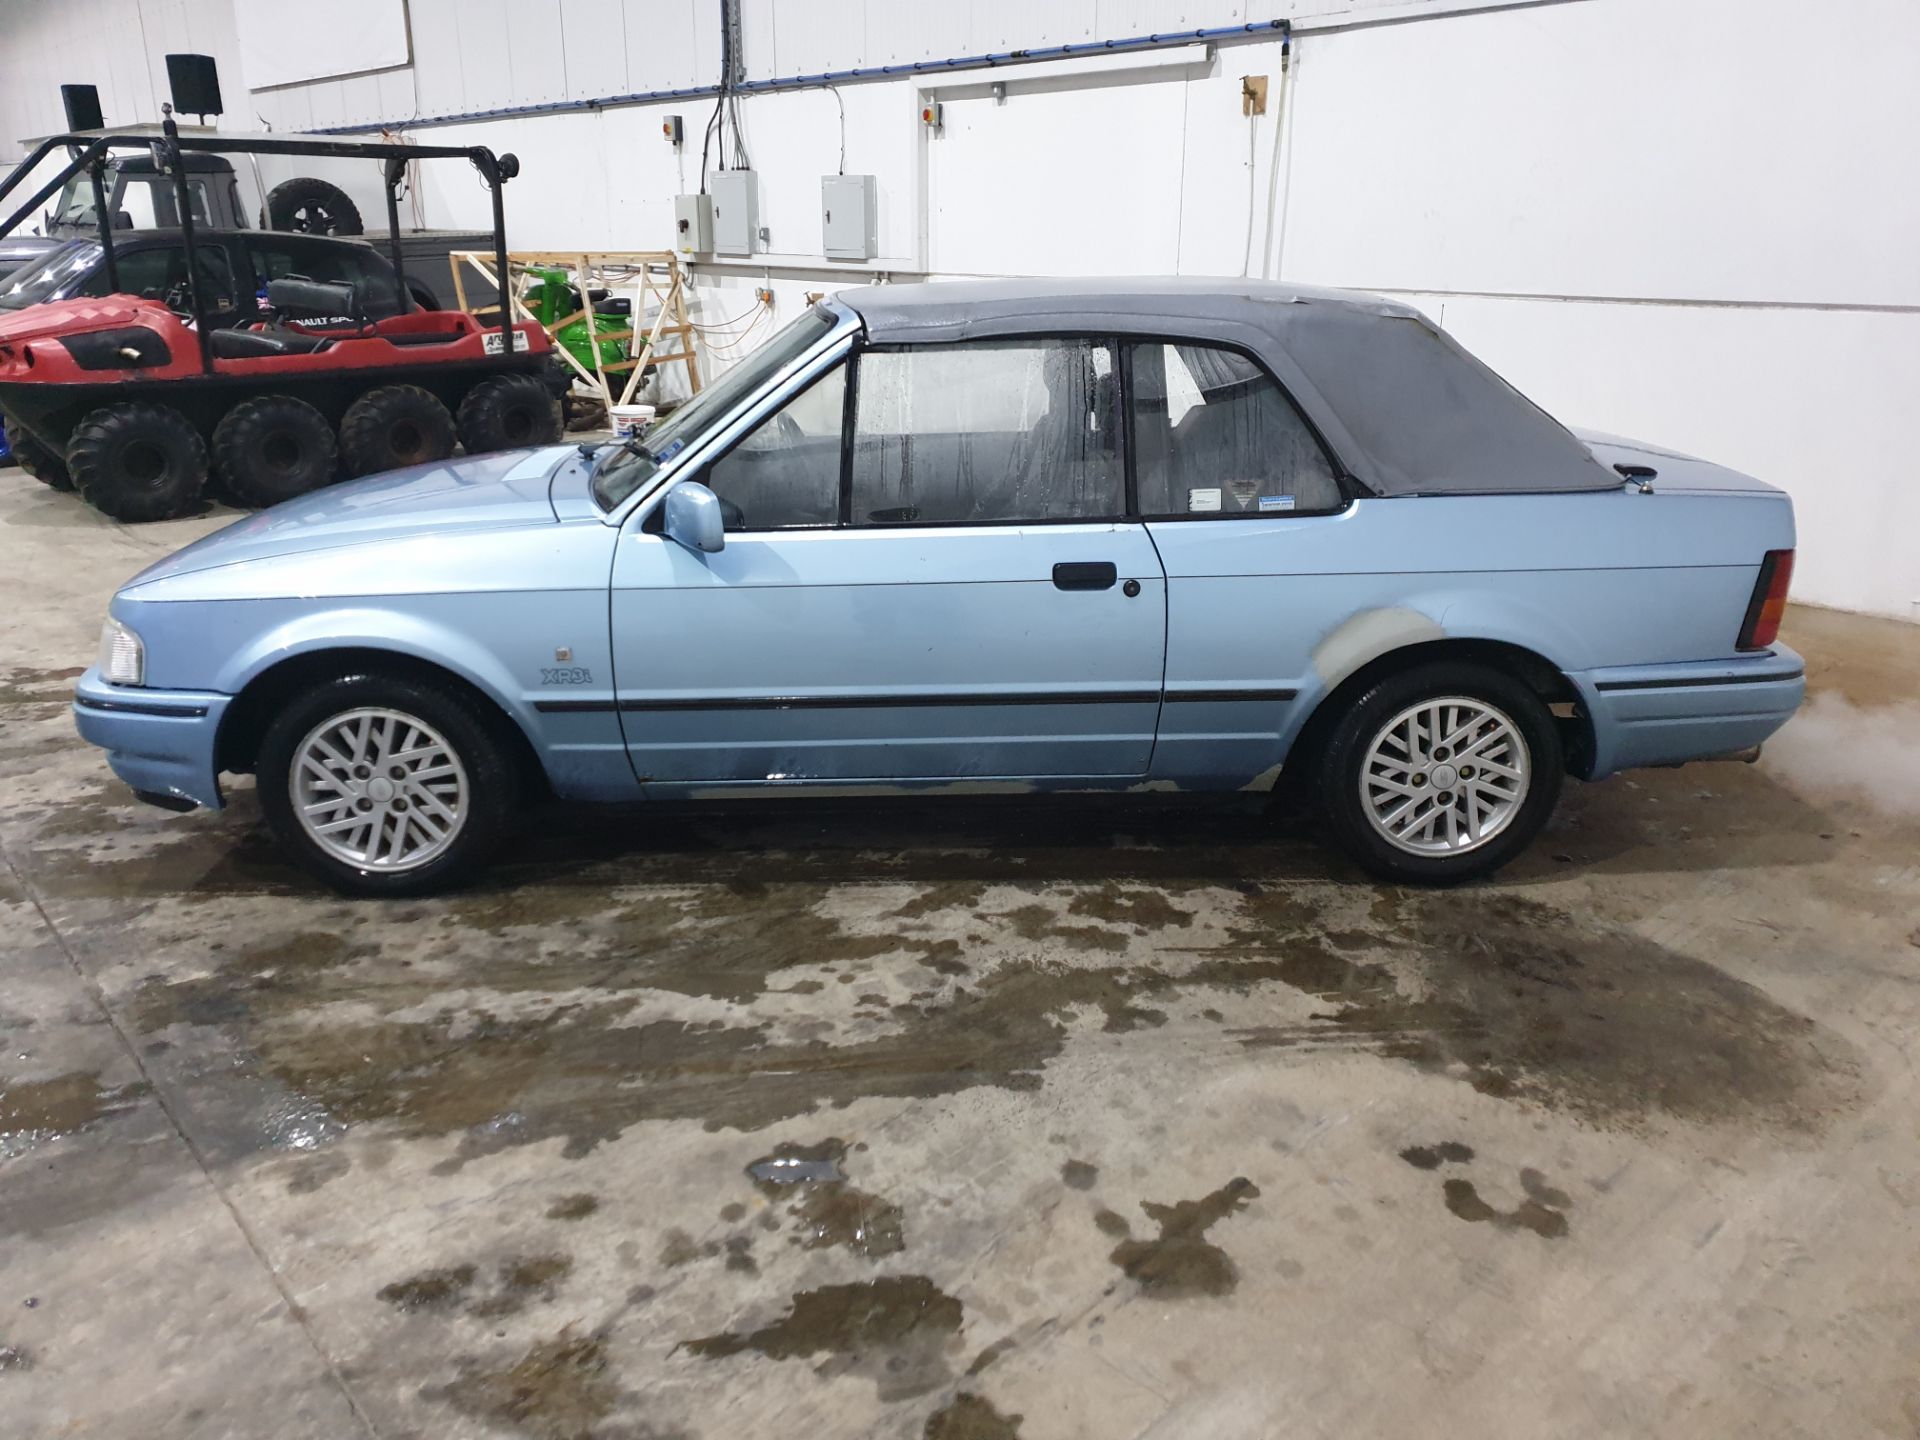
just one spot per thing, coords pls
(631, 467)
(50, 275)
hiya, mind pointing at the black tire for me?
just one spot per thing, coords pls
(491, 795)
(39, 461)
(1345, 754)
(272, 449)
(308, 206)
(394, 426)
(509, 412)
(138, 462)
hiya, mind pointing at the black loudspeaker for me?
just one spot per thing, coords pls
(195, 83)
(83, 107)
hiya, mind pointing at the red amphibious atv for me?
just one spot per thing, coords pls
(136, 405)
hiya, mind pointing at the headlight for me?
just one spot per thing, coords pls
(123, 659)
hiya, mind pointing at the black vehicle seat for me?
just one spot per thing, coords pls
(274, 340)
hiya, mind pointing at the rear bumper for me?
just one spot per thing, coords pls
(1669, 714)
(161, 742)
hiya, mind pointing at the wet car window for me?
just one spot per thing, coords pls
(51, 276)
(1000, 431)
(785, 474)
(1216, 435)
(630, 468)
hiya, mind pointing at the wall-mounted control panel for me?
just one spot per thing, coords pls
(736, 211)
(848, 227)
(693, 224)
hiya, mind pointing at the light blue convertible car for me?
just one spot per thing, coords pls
(1059, 536)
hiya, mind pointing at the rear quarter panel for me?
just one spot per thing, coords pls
(1587, 581)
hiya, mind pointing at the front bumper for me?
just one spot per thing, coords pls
(161, 742)
(1670, 714)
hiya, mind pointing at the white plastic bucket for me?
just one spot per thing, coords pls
(630, 422)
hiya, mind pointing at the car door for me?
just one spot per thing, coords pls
(1237, 491)
(957, 596)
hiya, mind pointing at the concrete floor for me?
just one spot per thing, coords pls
(960, 1120)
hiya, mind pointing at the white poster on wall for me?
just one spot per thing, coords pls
(285, 42)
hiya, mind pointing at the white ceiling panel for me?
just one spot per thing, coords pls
(439, 76)
(671, 44)
(1018, 24)
(824, 35)
(595, 37)
(536, 56)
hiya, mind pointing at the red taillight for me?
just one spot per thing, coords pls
(1769, 603)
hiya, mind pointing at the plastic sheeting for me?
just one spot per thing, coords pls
(1402, 406)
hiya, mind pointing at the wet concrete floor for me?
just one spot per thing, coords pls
(970, 1120)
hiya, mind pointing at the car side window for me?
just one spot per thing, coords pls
(160, 273)
(785, 473)
(330, 265)
(1214, 434)
(998, 431)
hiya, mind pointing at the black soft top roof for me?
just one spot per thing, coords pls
(1406, 408)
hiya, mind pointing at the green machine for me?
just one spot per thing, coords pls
(551, 296)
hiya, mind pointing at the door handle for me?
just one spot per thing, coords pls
(1085, 575)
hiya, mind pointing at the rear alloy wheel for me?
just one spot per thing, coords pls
(39, 461)
(272, 449)
(1442, 773)
(138, 462)
(509, 412)
(395, 426)
(383, 785)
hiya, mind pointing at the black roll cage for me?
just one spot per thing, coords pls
(89, 153)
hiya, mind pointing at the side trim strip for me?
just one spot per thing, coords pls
(905, 702)
(1688, 684)
(896, 702)
(1217, 697)
(143, 707)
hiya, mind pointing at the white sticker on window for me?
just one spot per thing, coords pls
(1199, 500)
(1276, 502)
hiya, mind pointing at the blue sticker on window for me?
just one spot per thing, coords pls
(1276, 502)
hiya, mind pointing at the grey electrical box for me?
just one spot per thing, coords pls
(736, 211)
(847, 226)
(693, 224)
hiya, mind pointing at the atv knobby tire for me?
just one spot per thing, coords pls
(308, 206)
(40, 461)
(394, 426)
(272, 449)
(137, 462)
(509, 412)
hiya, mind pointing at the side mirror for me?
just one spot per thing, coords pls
(693, 518)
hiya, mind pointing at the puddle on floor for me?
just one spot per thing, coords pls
(896, 1331)
(1180, 1262)
(811, 1181)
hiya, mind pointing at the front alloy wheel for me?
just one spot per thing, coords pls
(379, 789)
(388, 784)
